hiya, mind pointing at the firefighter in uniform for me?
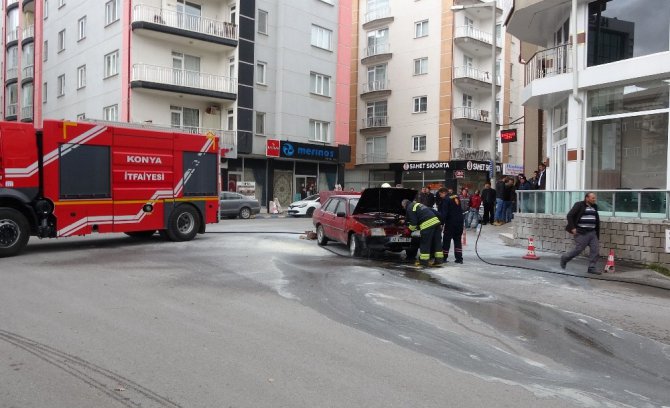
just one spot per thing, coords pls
(418, 215)
(452, 216)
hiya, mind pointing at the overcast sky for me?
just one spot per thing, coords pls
(652, 21)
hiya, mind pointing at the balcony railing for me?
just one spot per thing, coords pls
(464, 112)
(28, 32)
(377, 49)
(12, 35)
(644, 204)
(374, 158)
(28, 72)
(476, 33)
(474, 73)
(11, 109)
(375, 86)
(27, 112)
(171, 18)
(183, 77)
(549, 62)
(377, 14)
(227, 138)
(12, 72)
(375, 121)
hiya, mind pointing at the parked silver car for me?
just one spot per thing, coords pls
(232, 205)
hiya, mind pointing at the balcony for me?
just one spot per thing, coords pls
(167, 21)
(549, 62)
(227, 138)
(10, 111)
(375, 89)
(12, 37)
(27, 74)
(371, 158)
(377, 18)
(467, 117)
(27, 113)
(183, 81)
(376, 54)
(474, 40)
(375, 125)
(12, 74)
(474, 80)
(28, 35)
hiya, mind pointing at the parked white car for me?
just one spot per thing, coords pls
(305, 206)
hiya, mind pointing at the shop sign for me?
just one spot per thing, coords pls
(470, 165)
(507, 135)
(459, 174)
(511, 169)
(272, 148)
(306, 151)
(247, 188)
(419, 166)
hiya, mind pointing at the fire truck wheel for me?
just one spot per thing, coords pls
(14, 232)
(141, 234)
(183, 224)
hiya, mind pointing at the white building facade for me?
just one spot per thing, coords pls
(603, 80)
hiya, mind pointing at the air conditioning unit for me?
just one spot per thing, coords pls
(213, 110)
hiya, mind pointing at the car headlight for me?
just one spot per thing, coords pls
(377, 232)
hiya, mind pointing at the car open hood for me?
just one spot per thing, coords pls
(386, 200)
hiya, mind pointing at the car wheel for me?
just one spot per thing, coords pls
(321, 236)
(245, 213)
(141, 234)
(14, 232)
(183, 224)
(355, 246)
(310, 211)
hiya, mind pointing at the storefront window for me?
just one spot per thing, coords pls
(622, 29)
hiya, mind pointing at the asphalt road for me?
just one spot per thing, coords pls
(238, 318)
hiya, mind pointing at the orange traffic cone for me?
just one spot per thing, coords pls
(609, 266)
(464, 238)
(531, 250)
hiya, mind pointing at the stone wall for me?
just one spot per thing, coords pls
(631, 239)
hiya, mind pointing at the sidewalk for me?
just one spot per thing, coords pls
(264, 214)
(493, 247)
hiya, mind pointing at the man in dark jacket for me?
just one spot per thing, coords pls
(418, 216)
(489, 200)
(452, 217)
(584, 225)
(425, 197)
(500, 206)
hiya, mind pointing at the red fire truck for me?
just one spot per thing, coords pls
(72, 178)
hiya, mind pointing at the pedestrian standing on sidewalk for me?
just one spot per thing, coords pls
(489, 201)
(452, 217)
(473, 213)
(500, 204)
(584, 225)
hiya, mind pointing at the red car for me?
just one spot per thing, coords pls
(370, 222)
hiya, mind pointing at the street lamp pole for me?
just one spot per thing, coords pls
(492, 113)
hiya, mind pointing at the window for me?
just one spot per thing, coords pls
(466, 140)
(111, 11)
(467, 100)
(421, 66)
(81, 28)
(46, 50)
(230, 123)
(61, 40)
(111, 64)
(44, 92)
(260, 72)
(233, 14)
(94, 162)
(61, 3)
(110, 113)
(420, 104)
(319, 84)
(421, 29)
(263, 22)
(81, 117)
(203, 178)
(319, 131)
(81, 77)
(378, 42)
(419, 143)
(46, 9)
(260, 123)
(61, 85)
(322, 37)
(185, 118)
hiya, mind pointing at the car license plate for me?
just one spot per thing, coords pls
(400, 239)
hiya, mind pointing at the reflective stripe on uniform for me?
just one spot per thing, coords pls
(429, 223)
(439, 255)
(412, 227)
(424, 257)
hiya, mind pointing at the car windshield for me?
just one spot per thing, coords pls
(312, 197)
(352, 205)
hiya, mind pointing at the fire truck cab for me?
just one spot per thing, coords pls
(70, 179)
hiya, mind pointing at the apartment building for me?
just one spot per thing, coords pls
(250, 72)
(422, 93)
(602, 77)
